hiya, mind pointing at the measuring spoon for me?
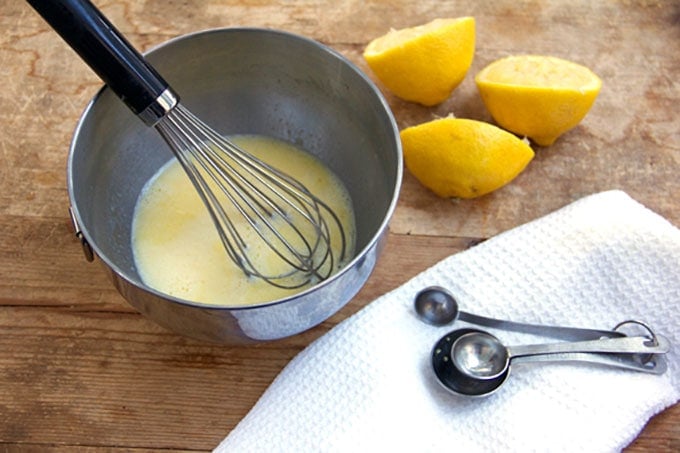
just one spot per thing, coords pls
(481, 355)
(449, 373)
(437, 306)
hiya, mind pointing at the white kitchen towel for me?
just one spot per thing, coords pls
(367, 385)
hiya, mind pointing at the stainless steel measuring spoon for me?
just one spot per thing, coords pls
(437, 306)
(481, 355)
(472, 362)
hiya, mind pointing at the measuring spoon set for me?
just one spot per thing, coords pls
(473, 362)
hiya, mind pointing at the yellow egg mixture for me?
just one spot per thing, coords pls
(177, 249)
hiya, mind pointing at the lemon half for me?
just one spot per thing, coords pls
(461, 158)
(536, 96)
(424, 64)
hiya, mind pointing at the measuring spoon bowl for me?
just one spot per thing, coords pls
(451, 378)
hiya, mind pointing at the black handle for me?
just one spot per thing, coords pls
(105, 50)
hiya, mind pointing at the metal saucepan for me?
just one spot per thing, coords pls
(240, 81)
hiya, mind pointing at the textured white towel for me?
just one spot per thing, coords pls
(367, 384)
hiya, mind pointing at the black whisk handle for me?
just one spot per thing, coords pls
(110, 55)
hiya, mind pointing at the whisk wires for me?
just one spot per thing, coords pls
(256, 207)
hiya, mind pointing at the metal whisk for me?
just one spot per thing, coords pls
(273, 208)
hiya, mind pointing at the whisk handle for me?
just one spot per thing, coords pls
(110, 55)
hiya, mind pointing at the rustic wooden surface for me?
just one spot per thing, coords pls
(81, 370)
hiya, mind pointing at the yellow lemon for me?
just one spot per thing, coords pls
(463, 158)
(424, 64)
(536, 96)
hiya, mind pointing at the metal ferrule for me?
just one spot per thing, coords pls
(159, 108)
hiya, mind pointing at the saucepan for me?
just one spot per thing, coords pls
(240, 81)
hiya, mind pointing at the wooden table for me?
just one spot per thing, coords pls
(81, 370)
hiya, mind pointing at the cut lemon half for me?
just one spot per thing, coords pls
(424, 64)
(461, 158)
(539, 97)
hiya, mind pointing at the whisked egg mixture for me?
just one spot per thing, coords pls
(177, 249)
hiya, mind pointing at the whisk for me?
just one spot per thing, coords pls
(271, 206)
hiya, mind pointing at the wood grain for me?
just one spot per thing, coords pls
(80, 370)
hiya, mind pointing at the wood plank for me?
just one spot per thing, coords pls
(74, 375)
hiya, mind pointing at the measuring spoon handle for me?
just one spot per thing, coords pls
(625, 345)
(557, 332)
(654, 364)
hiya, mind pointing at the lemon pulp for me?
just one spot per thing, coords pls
(177, 249)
